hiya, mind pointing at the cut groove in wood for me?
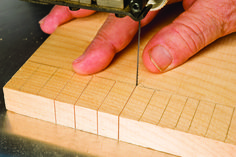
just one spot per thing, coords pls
(172, 112)
(187, 115)
(220, 123)
(67, 98)
(231, 138)
(202, 118)
(111, 108)
(156, 107)
(89, 102)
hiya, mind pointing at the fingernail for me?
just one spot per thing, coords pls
(160, 57)
(79, 59)
(42, 20)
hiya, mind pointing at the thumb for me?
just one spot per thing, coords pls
(185, 36)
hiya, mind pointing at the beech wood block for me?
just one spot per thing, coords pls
(108, 113)
(91, 99)
(64, 103)
(189, 111)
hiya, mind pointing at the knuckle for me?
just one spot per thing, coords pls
(225, 13)
(192, 33)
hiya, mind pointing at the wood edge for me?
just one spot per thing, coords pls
(171, 141)
(108, 125)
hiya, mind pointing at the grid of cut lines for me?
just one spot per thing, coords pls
(174, 111)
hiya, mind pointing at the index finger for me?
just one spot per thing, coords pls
(114, 35)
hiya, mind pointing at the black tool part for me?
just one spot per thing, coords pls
(136, 9)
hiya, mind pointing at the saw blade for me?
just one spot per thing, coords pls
(139, 34)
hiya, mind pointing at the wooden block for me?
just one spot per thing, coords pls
(220, 123)
(56, 83)
(156, 107)
(65, 101)
(231, 137)
(187, 115)
(54, 86)
(133, 112)
(173, 111)
(107, 103)
(111, 108)
(17, 81)
(166, 81)
(89, 102)
(172, 141)
(39, 107)
(22, 75)
(28, 101)
(39, 79)
(73, 89)
(206, 81)
(65, 114)
(202, 118)
(137, 103)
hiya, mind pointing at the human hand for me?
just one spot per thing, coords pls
(60, 15)
(202, 23)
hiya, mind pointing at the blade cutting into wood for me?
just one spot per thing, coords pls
(139, 33)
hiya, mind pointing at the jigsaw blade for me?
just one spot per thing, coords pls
(139, 34)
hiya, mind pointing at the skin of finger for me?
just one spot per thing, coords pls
(188, 34)
(228, 15)
(188, 3)
(81, 13)
(114, 35)
(59, 15)
(93, 60)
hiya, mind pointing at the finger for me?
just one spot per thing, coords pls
(115, 35)
(189, 33)
(188, 3)
(60, 15)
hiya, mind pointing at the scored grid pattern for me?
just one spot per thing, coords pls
(140, 104)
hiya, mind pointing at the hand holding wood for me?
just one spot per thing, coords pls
(202, 23)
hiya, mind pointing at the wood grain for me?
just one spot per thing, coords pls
(189, 111)
(64, 103)
(187, 115)
(90, 101)
(109, 111)
(202, 118)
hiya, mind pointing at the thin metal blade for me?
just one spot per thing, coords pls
(139, 33)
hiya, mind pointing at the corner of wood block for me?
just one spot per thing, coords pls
(65, 114)
(86, 119)
(107, 125)
(29, 105)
